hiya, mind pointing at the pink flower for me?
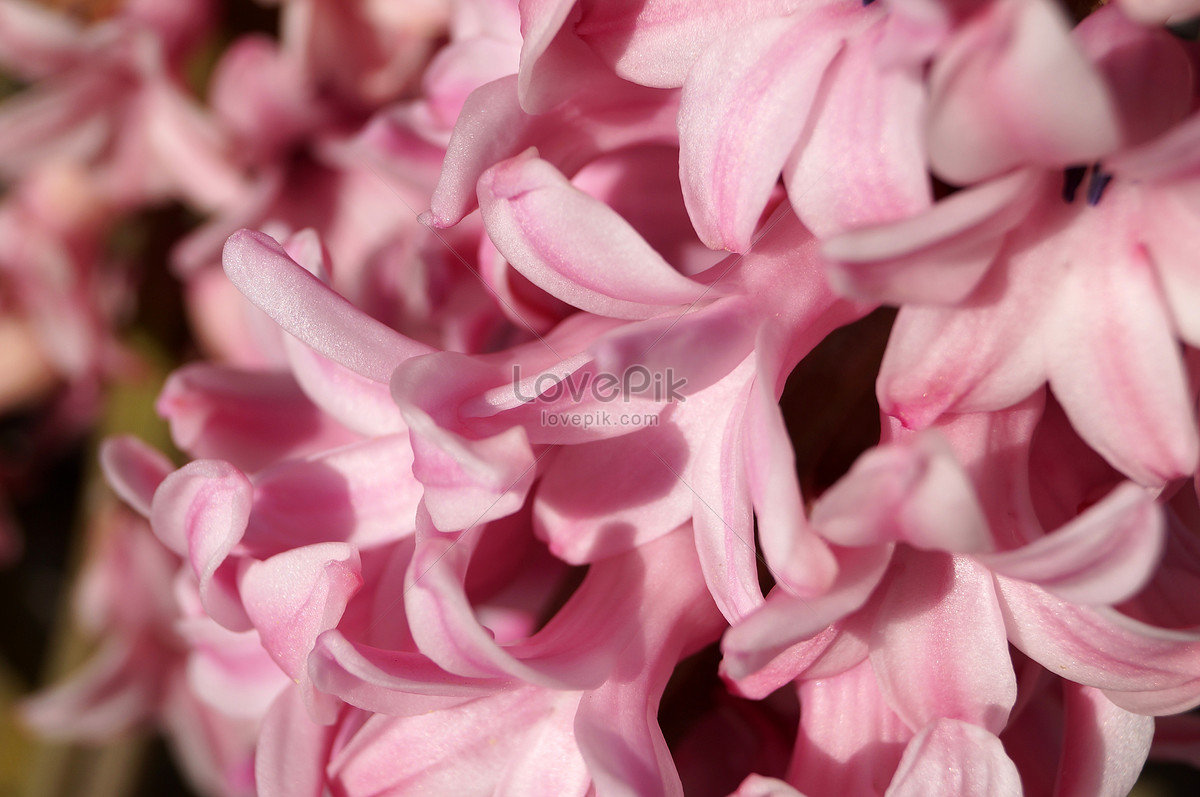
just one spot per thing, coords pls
(1025, 280)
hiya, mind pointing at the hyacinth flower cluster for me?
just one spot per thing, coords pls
(486, 485)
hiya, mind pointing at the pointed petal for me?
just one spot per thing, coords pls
(389, 682)
(554, 62)
(797, 557)
(306, 308)
(722, 514)
(831, 652)
(1013, 88)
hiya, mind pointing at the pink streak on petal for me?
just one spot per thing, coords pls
(744, 104)
(864, 162)
(655, 42)
(295, 596)
(250, 418)
(837, 756)
(1114, 340)
(984, 355)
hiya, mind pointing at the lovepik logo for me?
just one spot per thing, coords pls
(636, 381)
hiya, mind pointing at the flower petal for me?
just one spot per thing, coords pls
(1114, 364)
(1104, 556)
(1104, 747)
(575, 247)
(1142, 668)
(134, 469)
(201, 512)
(306, 308)
(939, 647)
(864, 162)
(744, 104)
(952, 758)
(1013, 88)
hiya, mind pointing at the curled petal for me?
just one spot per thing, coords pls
(494, 127)
(933, 257)
(1104, 556)
(915, 493)
(134, 469)
(784, 619)
(574, 247)
(295, 596)
(201, 512)
(1141, 668)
